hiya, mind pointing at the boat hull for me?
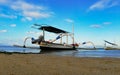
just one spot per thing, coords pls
(111, 48)
(55, 48)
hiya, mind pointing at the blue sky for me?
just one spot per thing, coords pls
(94, 20)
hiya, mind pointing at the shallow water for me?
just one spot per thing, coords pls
(76, 53)
(18, 49)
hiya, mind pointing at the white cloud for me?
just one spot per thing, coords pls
(96, 26)
(26, 19)
(100, 25)
(13, 25)
(69, 20)
(106, 23)
(3, 1)
(36, 14)
(102, 4)
(99, 5)
(8, 16)
(114, 3)
(32, 32)
(21, 5)
(3, 31)
(30, 11)
(29, 18)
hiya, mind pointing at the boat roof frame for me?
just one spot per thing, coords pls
(52, 29)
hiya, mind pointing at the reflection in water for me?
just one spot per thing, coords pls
(75, 53)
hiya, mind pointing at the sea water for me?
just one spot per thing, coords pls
(6, 48)
(76, 53)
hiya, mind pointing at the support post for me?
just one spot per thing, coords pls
(67, 38)
(43, 34)
(61, 40)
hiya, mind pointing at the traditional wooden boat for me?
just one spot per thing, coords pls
(113, 47)
(51, 45)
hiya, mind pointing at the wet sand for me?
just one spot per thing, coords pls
(41, 64)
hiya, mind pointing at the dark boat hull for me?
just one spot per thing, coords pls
(54, 48)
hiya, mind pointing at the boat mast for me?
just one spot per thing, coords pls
(73, 32)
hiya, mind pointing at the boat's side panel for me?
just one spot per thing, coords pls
(55, 48)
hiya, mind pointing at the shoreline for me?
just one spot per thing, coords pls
(43, 64)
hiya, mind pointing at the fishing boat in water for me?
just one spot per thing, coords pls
(51, 45)
(113, 47)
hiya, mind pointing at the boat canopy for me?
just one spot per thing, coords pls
(110, 43)
(52, 29)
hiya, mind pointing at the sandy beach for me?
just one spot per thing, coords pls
(41, 64)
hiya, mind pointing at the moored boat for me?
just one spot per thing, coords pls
(113, 47)
(51, 45)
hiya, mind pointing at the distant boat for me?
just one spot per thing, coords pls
(113, 47)
(50, 45)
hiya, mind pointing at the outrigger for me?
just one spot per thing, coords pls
(50, 45)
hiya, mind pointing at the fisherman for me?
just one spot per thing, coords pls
(39, 40)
